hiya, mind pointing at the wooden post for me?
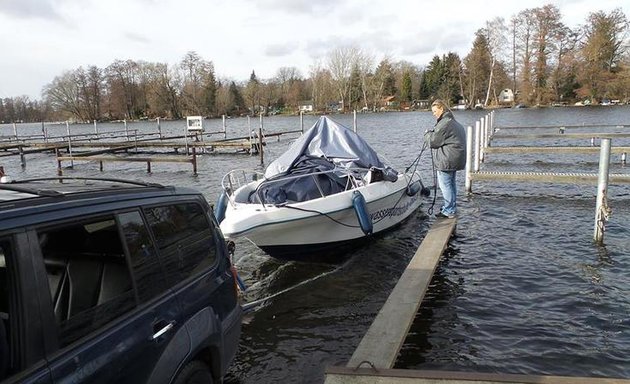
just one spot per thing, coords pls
(148, 166)
(302, 121)
(469, 157)
(601, 208)
(354, 120)
(22, 158)
(260, 140)
(101, 165)
(194, 161)
(59, 173)
(69, 143)
(477, 144)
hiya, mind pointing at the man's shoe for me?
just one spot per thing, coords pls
(443, 215)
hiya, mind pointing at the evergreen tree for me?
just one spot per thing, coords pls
(405, 91)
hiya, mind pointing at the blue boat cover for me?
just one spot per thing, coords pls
(326, 146)
(329, 140)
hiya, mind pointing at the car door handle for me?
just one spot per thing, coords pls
(162, 331)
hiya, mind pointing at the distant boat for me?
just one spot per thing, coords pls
(329, 188)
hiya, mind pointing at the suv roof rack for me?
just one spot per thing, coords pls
(13, 185)
(111, 180)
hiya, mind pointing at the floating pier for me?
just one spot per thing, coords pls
(478, 144)
(102, 147)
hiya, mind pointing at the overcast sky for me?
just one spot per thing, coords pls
(40, 39)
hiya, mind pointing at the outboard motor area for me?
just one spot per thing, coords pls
(360, 208)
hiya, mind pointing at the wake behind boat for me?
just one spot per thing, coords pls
(327, 189)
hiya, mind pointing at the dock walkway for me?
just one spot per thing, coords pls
(373, 360)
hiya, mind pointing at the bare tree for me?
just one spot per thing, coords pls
(321, 86)
(64, 94)
(340, 62)
(495, 32)
(546, 27)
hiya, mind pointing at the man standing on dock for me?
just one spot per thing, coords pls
(448, 139)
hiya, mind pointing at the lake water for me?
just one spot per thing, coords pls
(521, 289)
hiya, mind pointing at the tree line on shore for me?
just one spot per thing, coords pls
(534, 54)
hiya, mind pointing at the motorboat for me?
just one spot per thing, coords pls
(329, 188)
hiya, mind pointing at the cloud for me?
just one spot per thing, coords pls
(29, 9)
(136, 38)
(309, 7)
(285, 49)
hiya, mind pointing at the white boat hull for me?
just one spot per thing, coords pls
(326, 220)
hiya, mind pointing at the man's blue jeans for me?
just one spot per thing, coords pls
(446, 181)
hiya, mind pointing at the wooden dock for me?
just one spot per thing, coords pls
(373, 360)
(383, 340)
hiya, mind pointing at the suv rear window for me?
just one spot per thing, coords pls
(184, 237)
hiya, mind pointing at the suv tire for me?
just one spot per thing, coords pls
(195, 372)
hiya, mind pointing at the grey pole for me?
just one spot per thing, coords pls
(95, 128)
(260, 140)
(601, 208)
(15, 131)
(302, 121)
(483, 140)
(487, 130)
(469, 157)
(159, 127)
(69, 144)
(186, 138)
(126, 130)
(354, 120)
(477, 144)
(224, 127)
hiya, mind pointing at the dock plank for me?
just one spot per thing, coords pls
(344, 375)
(384, 338)
(554, 150)
(550, 177)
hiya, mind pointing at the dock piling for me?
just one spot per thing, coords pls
(260, 140)
(601, 209)
(477, 144)
(469, 154)
(69, 143)
(224, 127)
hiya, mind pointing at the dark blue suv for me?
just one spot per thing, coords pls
(110, 281)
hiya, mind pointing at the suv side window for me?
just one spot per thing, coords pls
(88, 275)
(184, 237)
(145, 264)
